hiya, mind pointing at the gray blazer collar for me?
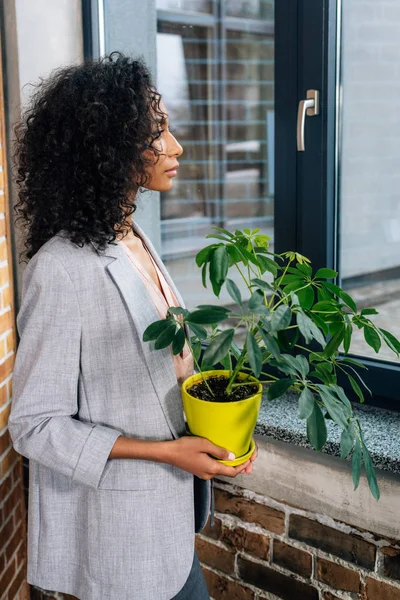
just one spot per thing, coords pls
(143, 312)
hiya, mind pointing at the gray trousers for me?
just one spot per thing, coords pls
(195, 587)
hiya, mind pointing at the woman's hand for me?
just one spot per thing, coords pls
(192, 454)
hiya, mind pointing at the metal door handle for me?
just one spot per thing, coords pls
(309, 107)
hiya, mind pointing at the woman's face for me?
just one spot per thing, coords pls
(165, 163)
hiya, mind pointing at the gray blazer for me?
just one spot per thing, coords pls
(99, 528)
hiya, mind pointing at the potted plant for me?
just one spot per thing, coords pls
(294, 324)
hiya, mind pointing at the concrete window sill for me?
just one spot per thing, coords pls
(279, 419)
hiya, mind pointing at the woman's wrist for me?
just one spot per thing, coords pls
(125, 447)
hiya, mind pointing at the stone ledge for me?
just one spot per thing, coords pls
(322, 484)
(279, 420)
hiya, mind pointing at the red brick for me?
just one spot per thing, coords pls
(337, 576)
(13, 543)
(6, 367)
(3, 394)
(221, 588)
(214, 532)
(249, 541)
(23, 593)
(7, 530)
(7, 576)
(13, 499)
(5, 487)
(252, 512)
(215, 556)
(292, 558)
(377, 590)
(346, 546)
(16, 584)
(9, 460)
(391, 563)
(283, 586)
(5, 442)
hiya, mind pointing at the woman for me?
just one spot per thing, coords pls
(112, 492)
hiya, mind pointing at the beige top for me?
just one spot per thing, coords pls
(162, 298)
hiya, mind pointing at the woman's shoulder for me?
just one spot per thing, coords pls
(63, 250)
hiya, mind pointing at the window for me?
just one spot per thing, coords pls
(215, 70)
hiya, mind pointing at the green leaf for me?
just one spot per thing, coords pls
(351, 361)
(219, 347)
(347, 338)
(346, 442)
(308, 329)
(334, 342)
(205, 317)
(304, 367)
(221, 230)
(198, 331)
(254, 354)
(222, 309)
(319, 322)
(330, 306)
(356, 387)
(316, 428)
(204, 275)
(267, 264)
(234, 254)
(256, 300)
(204, 254)
(392, 342)
(306, 297)
(348, 300)
(153, 331)
(371, 475)
(177, 310)
(356, 463)
(178, 342)
(340, 393)
(306, 403)
(281, 318)
(234, 291)
(372, 338)
(369, 311)
(304, 268)
(226, 362)
(325, 273)
(166, 336)
(278, 388)
(333, 406)
(218, 268)
(270, 343)
(196, 348)
(264, 285)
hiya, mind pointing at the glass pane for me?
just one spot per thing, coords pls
(370, 176)
(217, 86)
(186, 5)
(251, 9)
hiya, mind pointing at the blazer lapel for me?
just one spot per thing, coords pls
(143, 312)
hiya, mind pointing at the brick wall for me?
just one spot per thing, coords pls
(12, 506)
(260, 548)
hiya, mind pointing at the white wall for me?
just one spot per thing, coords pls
(49, 34)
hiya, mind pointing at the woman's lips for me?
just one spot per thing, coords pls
(173, 171)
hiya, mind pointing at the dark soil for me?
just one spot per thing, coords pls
(218, 384)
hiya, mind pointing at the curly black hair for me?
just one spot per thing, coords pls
(79, 151)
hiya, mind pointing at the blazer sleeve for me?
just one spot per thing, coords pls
(45, 381)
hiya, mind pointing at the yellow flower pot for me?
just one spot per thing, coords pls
(226, 424)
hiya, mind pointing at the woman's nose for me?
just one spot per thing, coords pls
(175, 147)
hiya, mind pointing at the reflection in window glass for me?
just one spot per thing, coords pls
(253, 9)
(217, 84)
(186, 5)
(369, 192)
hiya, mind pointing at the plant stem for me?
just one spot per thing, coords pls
(196, 363)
